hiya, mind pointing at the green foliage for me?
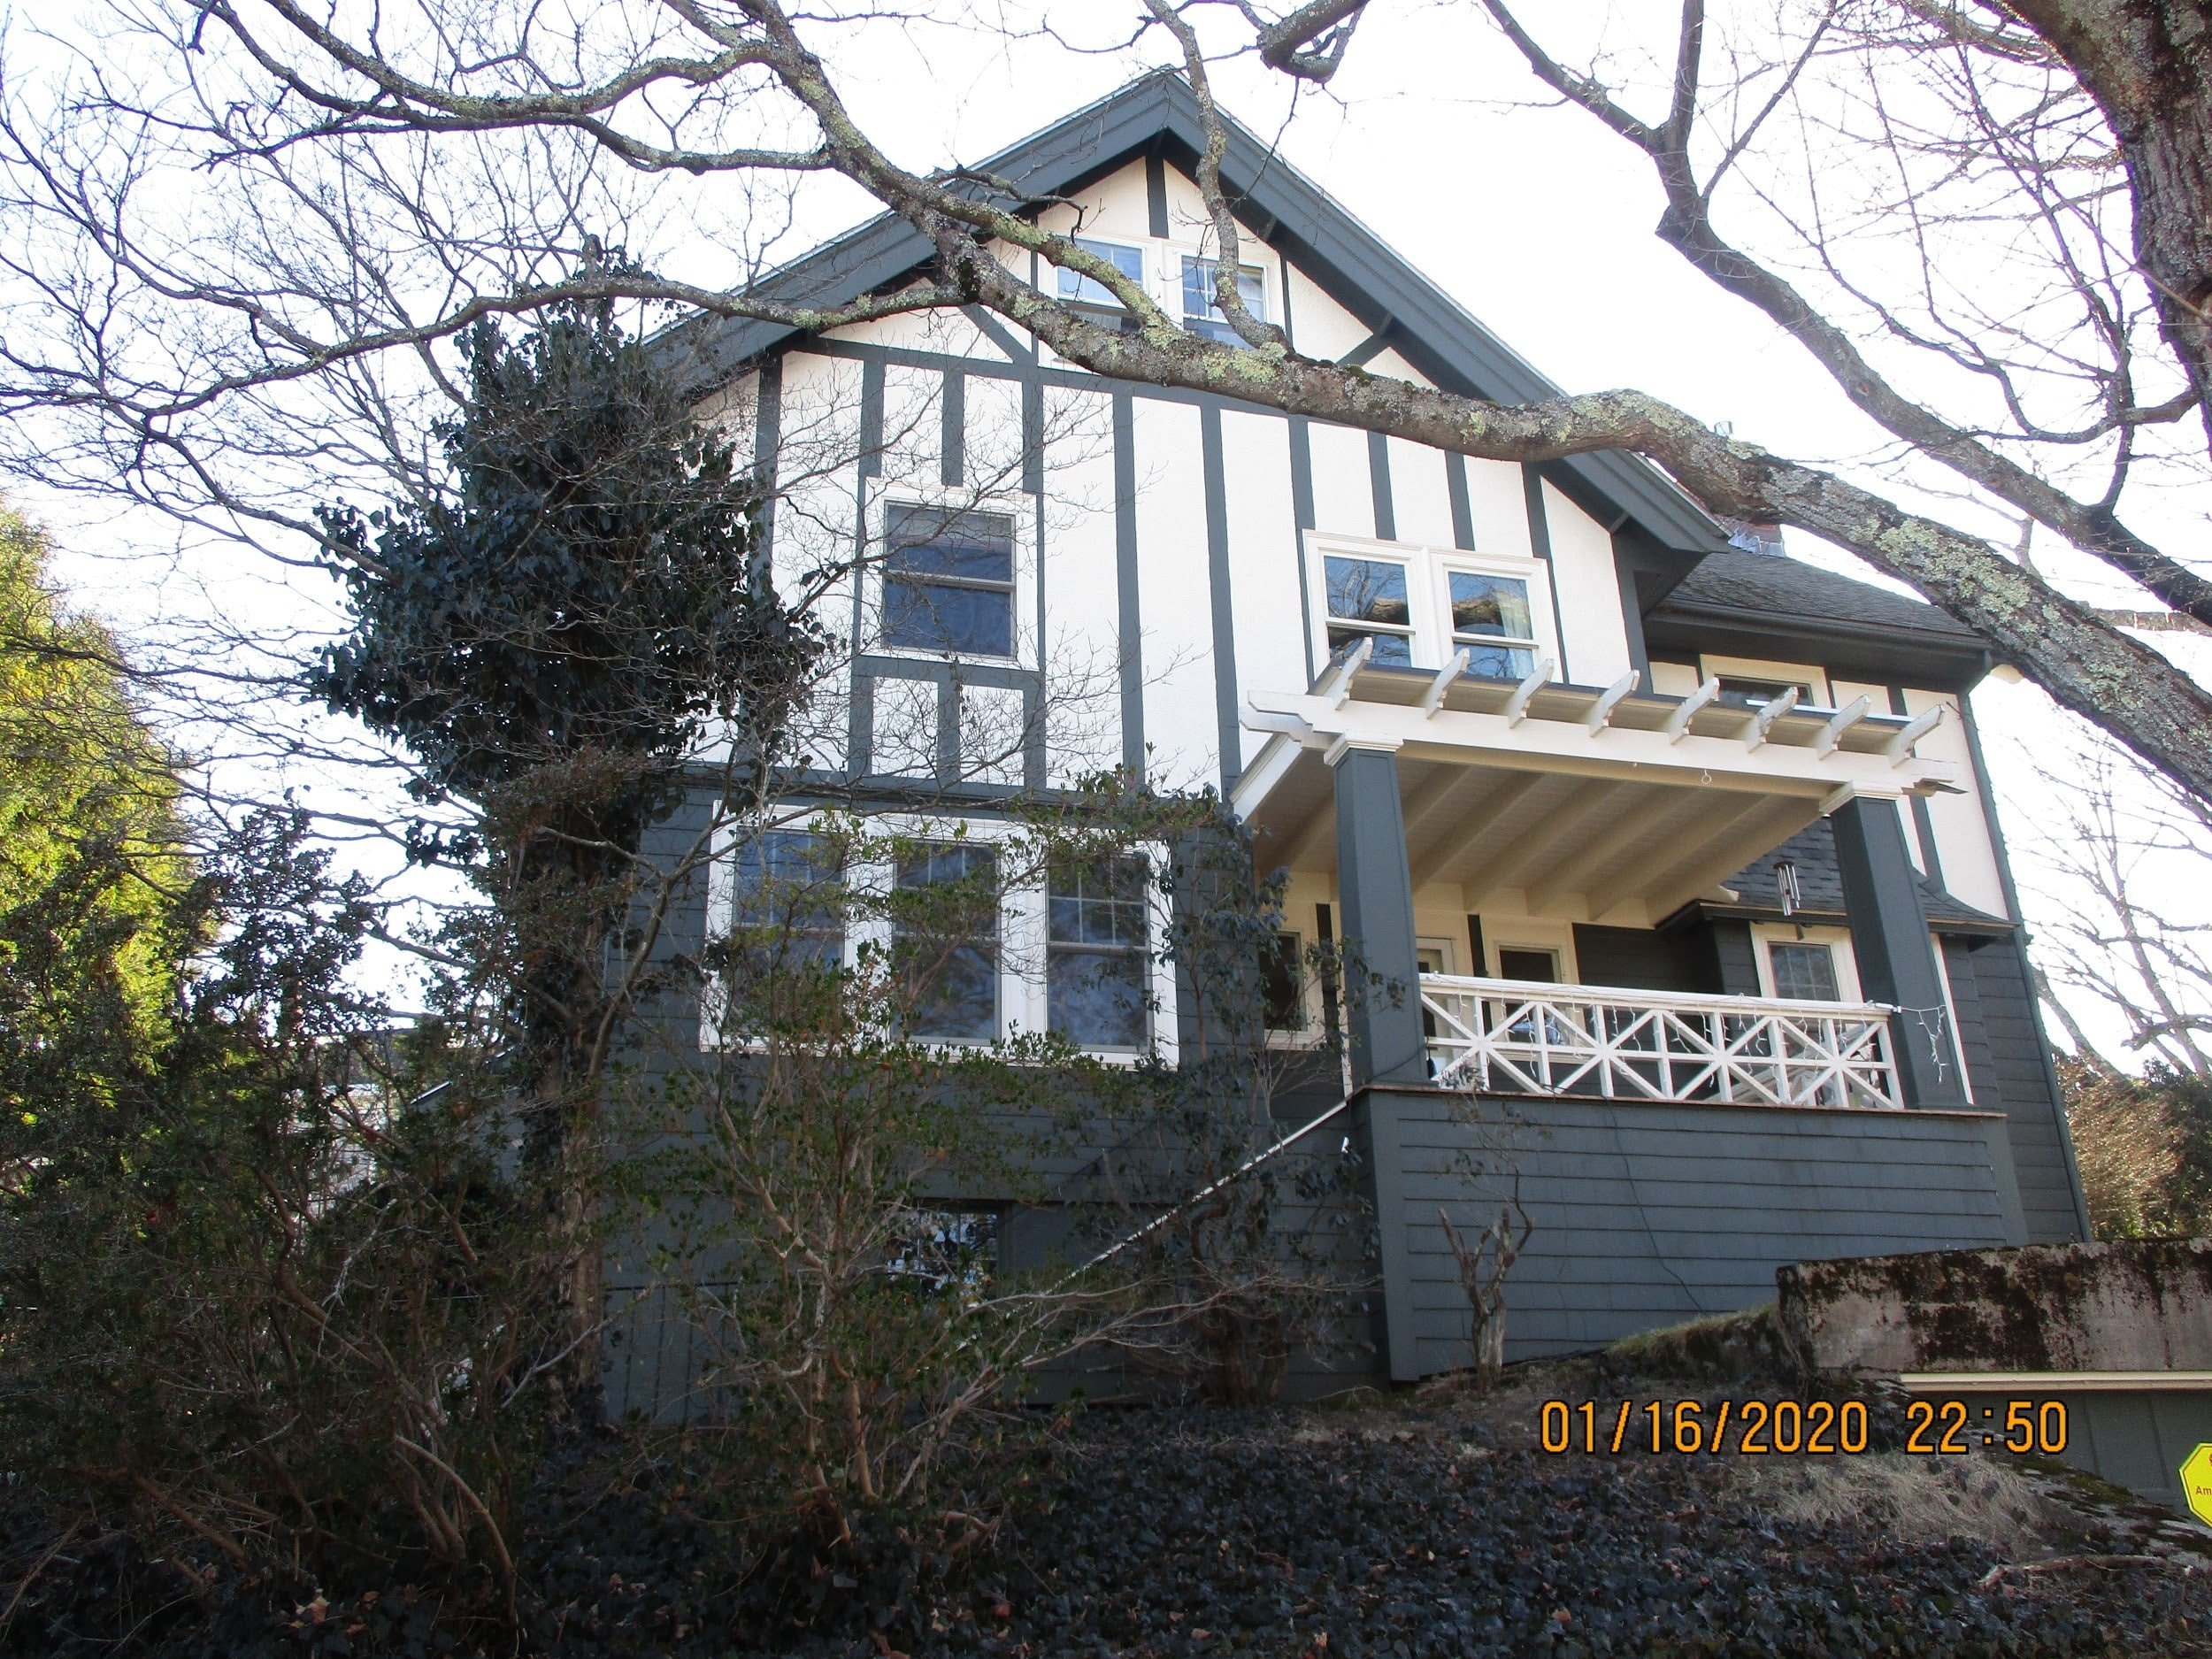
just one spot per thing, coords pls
(90, 859)
(2144, 1146)
(295, 1315)
(591, 586)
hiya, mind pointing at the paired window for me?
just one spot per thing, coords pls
(1084, 290)
(1203, 316)
(1488, 614)
(948, 581)
(949, 933)
(1095, 958)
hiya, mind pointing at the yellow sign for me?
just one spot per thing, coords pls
(2196, 1482)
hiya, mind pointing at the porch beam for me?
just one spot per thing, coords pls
(1896, 957)
(1507, 791)
(1506, 867)
(1723, 834)
(1573, 872)
(1722, 856)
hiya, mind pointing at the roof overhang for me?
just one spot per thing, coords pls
(1617, 804)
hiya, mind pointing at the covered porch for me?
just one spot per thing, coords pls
(1464, 835)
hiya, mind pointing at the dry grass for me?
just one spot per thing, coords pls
(1918, 1500)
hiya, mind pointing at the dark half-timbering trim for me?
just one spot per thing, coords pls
(1127, 585)
(1229, 732)
(1378, 487)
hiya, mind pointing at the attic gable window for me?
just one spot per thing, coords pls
(948, 582)
(1083, 290)
(1201, 316)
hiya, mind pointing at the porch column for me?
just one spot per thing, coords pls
(1897, 964)
(1376, 884)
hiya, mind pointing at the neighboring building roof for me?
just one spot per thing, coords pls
(1820, 885)
(1157, 113)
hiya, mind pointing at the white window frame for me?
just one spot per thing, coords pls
(884, 498)
(1530, 933)
(1766, 934)
(1141, 248)
(722, 908)
(1710, 666)
(1428, 592)
(1171, 280)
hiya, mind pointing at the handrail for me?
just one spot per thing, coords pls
(1626, 996)
(1526, 1037)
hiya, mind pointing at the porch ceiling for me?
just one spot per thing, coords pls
(1565, 840)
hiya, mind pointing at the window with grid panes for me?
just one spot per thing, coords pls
(1203, 316)
(948, 581)
(1806, 972)
(1095, 958)
(1090, 291)
(950, 942)
(788, 908)
(1368, 600)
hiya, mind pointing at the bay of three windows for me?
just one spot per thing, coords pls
(949, 931)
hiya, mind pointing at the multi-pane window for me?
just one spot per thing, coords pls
(1368, 600)
(1203, 316)
(1089, 291)
(1094, 962)
(786, 910)
(1803, 971)
(948, 581)
(947, 930)
(1490, 623)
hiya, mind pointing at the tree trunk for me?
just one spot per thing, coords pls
(2148, 65)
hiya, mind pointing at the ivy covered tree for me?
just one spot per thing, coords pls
(553, 642)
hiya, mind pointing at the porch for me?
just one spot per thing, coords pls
(1459, 837)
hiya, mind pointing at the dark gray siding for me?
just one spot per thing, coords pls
(1648, 1214)
(1642, 960)
(2005, 1061)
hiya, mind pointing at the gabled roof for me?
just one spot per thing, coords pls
(1349, 263)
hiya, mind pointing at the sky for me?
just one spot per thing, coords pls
(1538, 220)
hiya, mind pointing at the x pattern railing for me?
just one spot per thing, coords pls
(1520, 1038)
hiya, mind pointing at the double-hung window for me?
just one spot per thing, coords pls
(1084, 290)
(788, 910)
(1095, 958)
(1491, 623)
(1203, 316)
(948, 581)
(948, 931)
(1369, 600)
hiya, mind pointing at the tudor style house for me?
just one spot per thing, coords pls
(1684, 847)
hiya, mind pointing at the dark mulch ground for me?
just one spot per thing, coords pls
(1415, 1528)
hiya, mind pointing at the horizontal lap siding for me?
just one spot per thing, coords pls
(2006, 1058)
(1646, 1215)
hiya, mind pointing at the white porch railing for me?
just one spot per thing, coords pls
(1599, 1041)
